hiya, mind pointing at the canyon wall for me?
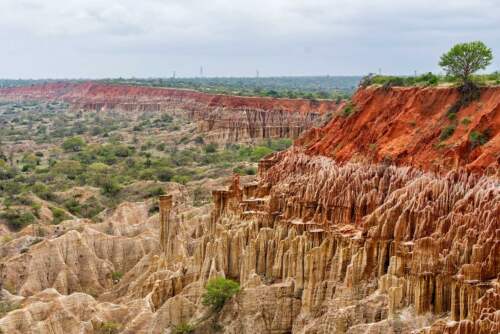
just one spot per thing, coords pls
(403, 126)
(329, 238)
(222, 117)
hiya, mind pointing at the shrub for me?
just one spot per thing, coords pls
(165, 174)
(73, 144)
(116, 276)
(218, 291)
(155, 192)
(16, 219)
(447, 132)
(182, 179)
(110, 187)
(210, 148)
(41, 190)
(466, 121)
(348, 110)
(199, 140)
(259, 152)
(478, 138)
(109, 328)
(469, 92)
(58, 215)
(394, 82)
(7, 173)
(279, 144)
(90, 208)
(73, 206)
(184, 328)
(6, 307)
(70, 168)
(200, 196)
(427, 79)
(121, 151)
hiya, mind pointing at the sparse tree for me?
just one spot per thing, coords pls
(465, 59)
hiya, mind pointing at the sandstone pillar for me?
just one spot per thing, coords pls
(166, 230)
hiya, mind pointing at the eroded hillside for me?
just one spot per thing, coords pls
(222, 117)
(332, 236)
(413, 126)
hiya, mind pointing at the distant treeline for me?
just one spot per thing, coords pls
(5, 83)
(309, 87)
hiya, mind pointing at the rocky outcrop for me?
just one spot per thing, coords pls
(222, 117)
(84, 258)
(402, 126)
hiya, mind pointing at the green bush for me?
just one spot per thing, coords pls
(210, 148)
(109, 328)
(184, 328)
(16, 219)
(182, 179)
(478, 138)
(116, 276)
(73, 206)
(447, 132)
(218, 291)
(466, 121)
(155, 192)
(58, 215)
(279, 144)
(70, 168)
(429, 79)
(110, 187)
(90, 208)
(165, 174)
(259, 152)
(73, 144)
(250, 171)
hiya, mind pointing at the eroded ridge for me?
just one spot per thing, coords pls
(221, 117)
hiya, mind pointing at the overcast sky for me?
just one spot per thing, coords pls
(152, 38)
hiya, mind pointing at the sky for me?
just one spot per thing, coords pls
(154, 38)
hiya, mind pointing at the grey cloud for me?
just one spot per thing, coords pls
(96, 38)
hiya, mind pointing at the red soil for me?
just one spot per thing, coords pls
(403, 125)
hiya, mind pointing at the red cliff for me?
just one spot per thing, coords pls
(403, 126)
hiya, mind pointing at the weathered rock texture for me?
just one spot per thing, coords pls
(223, 117)
(317, 245)
(403, 125)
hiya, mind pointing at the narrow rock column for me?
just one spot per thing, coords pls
(165, 204)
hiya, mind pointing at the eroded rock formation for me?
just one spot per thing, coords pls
(222, 117)
(403, 125)
(318, 245)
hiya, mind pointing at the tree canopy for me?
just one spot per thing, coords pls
(464, 59)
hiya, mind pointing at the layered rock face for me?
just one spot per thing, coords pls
(318, 245)
(222, 117)
(403, 126)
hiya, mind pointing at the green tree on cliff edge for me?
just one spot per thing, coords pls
(465, 59)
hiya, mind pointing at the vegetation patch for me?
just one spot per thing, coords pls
(447, 132)
(478, 138)
(218, 291)
(109, 327)
(184, 328)
(348, 110)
